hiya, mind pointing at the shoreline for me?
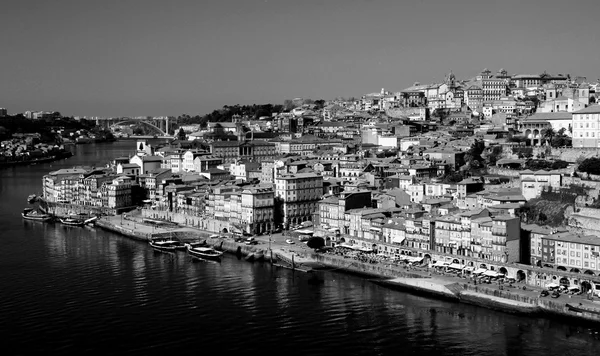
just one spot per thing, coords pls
(63, 155)
(513, 300)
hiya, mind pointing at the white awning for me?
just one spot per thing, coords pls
(469, 268)
(574, 288)
(304, 232)
(440, 264)
(490, 273)
(456, 266)
(479, 271)
(552, 285)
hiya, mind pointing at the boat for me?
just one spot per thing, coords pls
(164, 245)
(32, 214)
(32, 198)
(72, 221)
(207, 253)
(581, 309)
(259, 256)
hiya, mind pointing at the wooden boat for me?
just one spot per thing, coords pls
(72, 221)
(32, 214)
(164, 245)
(204, 252)
(577, 309)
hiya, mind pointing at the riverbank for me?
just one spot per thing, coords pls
(62, 155)
(519, 298)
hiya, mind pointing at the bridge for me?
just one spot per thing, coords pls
(162, 125)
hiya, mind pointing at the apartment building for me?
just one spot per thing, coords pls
(298, 195)
(586, 127)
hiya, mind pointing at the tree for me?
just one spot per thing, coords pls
(590, 166)
(492, 155)
(548, 133)
(473, 155)
(315, 242)
(181, 134)
(288, 105)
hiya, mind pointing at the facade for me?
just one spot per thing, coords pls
(254, 151)
(332, 209)
(299, 195)
(586, 127)
(257, 207)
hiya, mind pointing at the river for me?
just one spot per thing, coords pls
(71, 290)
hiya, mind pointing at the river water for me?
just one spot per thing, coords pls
(70, 290)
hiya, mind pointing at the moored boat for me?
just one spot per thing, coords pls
(72, 221)
(168, 245)
(32, 198)
(204, 252)
(32, 214)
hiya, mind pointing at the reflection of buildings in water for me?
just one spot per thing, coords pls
(55, 243)
(139, 276)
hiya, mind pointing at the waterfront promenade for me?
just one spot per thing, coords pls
(515, 297)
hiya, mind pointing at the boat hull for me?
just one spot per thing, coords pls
(72, 223)
(37, 218)
(206, 256)
(163, 248)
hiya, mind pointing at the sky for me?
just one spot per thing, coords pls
(156, 57)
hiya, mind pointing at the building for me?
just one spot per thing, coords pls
(298, 196)
(254, 151)
(533, 183)
(586, 127)
(257, 207)
(332, 209)
(147, 163)
(571, 252)
(118, 193)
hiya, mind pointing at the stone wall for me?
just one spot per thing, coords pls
(187, 220)
(569, 154)
(503, 171)
(351, 265)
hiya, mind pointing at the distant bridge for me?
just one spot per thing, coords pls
(160, 124)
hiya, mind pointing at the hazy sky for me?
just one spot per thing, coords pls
(129, 58)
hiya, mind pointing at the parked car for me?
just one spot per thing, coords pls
(251, 241)
(290, 241)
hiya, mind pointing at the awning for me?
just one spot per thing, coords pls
(479, 271)
(456, 266)
(414, 259)
(440, 264)
(573, 288)
(304, 232)
(552, 285)
(469, 268)
(346, 246)
(490, 273)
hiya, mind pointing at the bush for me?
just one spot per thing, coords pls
(590, 166)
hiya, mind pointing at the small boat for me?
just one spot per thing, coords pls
(581, 309)
(164, 245)
(31, 214)
(207, 253)
(72, 221)
(32, 198)
(259, 256)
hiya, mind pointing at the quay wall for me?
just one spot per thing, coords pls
(63, 210)
(355, 266)
(132, 233)
(198, 222)
(483, 295)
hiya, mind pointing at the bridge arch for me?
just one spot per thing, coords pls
(132, 121)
